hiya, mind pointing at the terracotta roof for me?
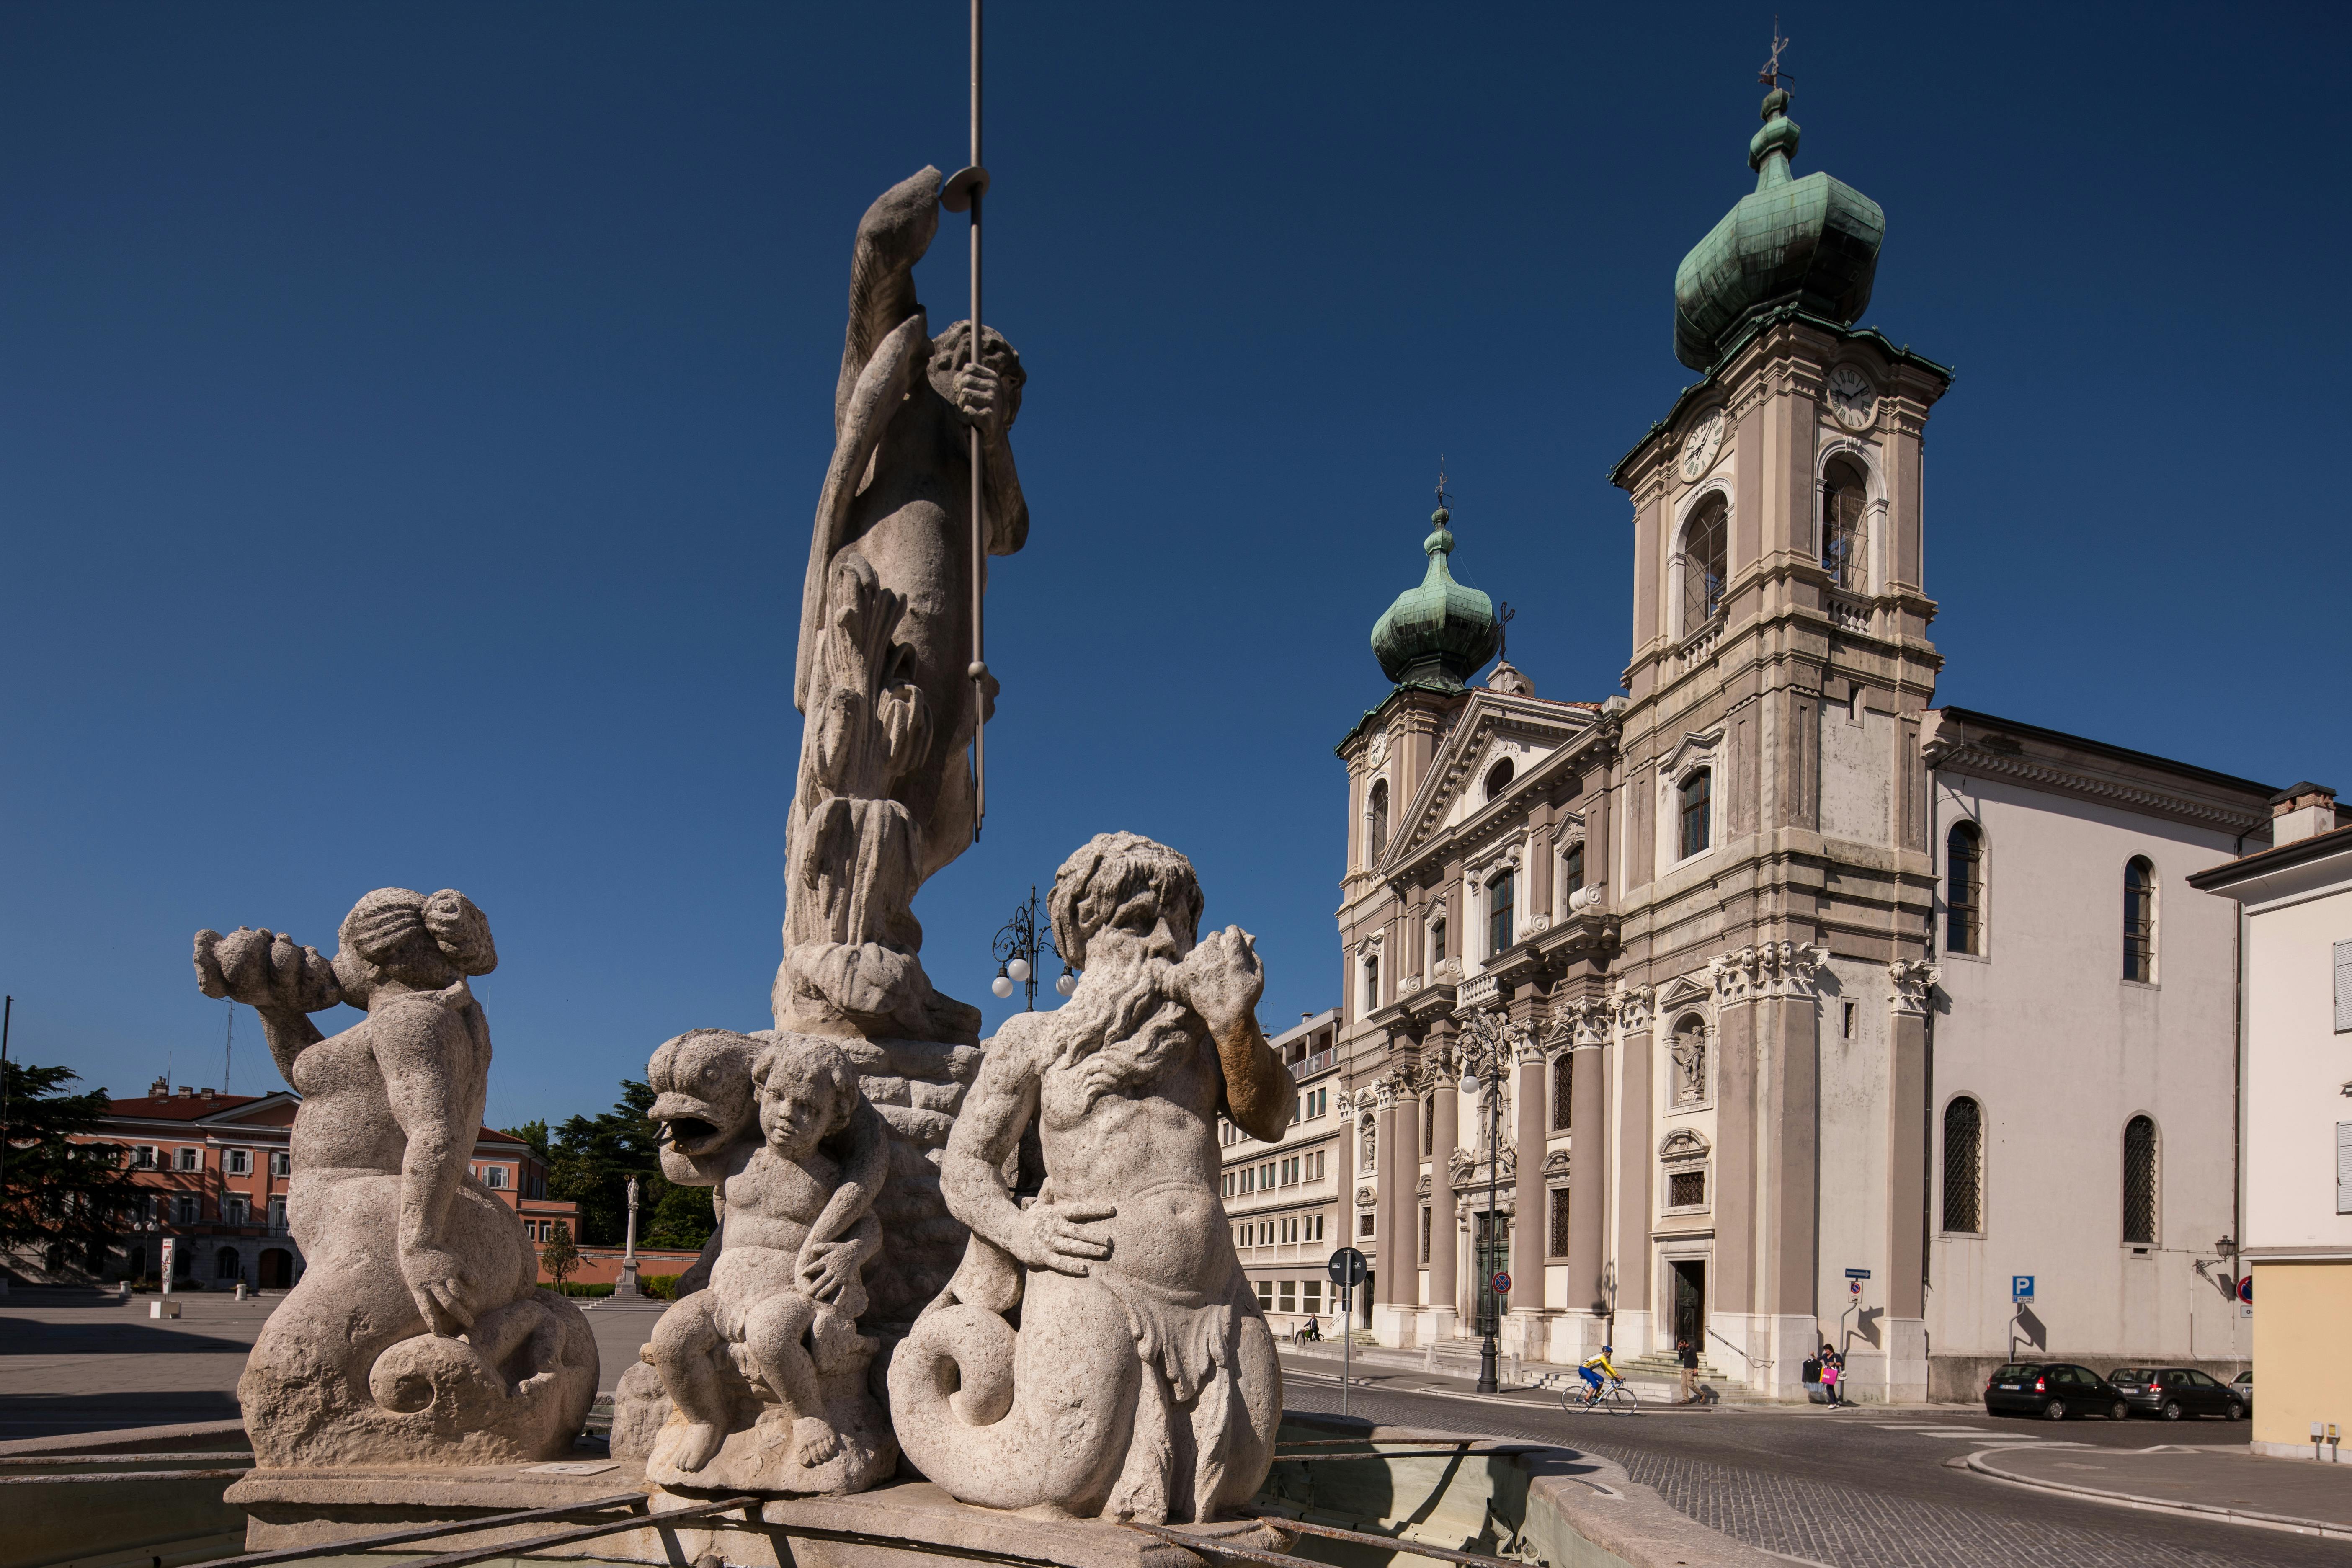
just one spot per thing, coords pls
(178, 1108)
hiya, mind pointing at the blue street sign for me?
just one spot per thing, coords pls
(2020, 1286)
(1857, 1273)
(2246, 1290)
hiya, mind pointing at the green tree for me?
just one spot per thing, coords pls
(67, 1200)
(559, 1257)
(590, 1159)
(684, 1217)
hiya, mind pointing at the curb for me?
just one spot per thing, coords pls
(2327, 1529)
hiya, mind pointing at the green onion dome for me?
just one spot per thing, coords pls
(1440, 633)
(1811, 242)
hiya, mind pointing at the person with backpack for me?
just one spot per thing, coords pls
(1687, 1354)
(1832, 1365)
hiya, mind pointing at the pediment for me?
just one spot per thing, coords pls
(1694, 745)
(1681, 991)
(1493, 726)
(1683, 1144)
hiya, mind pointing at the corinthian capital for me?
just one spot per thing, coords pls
(1634, 1003)
(1913, 979)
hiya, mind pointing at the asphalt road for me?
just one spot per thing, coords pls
(1856, 1488)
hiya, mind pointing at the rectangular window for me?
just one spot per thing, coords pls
(240, 1211)
(143, 1157)
(1572, 871)
(1425, 1233)
(2343, 1167)
(240, 1162)
(1501, 932)
(2140, 919)
(184, 1209)
(1371, 986)
(1265, 1295)
(1563, 1095)
(1685, 1189)
(278, 1214)
(2344, 987)
(1558, 1222)
(1697, 792)
(1437, 942)
(1364, 1223)
(1314, 1227)
(1310, 1296)
(1288, 1296)
(496, 1178)
(280, 1163)
(1429, 1126)
(1229, 1184)
(192, 1160)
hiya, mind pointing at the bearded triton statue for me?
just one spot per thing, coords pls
(1142, 1381)
(885, 796)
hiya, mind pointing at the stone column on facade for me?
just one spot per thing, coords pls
(1407, 1269)
(1384, 1160)
(1733, 1172)
(1905, 1331)
(1789, 1034)
(1531, 1106)
(1630, 1269)
(1586, 1061)
(1444, 1257)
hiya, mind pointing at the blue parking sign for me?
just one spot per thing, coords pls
(2020, 1286)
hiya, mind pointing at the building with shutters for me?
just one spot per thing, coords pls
(1831, 1010)
(1288, 1200)
(2295, 900)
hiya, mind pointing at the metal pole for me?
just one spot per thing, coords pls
(1487, 1382)
(979, 539)
(1346, 1345)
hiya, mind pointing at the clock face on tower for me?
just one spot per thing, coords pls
(1701, 445)
(1851, 398)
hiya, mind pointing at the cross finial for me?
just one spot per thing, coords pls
(1504, 615)
(1772, 72)
(1444, 496)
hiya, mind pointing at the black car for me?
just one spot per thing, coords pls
(2176, 1392)
(2053, 1390)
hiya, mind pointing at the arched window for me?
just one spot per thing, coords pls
(1572, 871)
(1499, 777)
(1500, 931)
(2139, 1181)
(1376, 840)
(226, 1264)
(1964, 1167)
(1705, 541)
(1964, 889)
(1696, 795)
(1372, 983)
(2140, 919)
(1437, 938)
(1845, 497)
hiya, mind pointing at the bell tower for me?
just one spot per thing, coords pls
(1775, 865)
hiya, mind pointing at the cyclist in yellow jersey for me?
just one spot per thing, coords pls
(1594, 1369)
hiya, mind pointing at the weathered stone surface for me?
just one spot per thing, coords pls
(418, 1334)
(766, 1369)
(1142, 1383)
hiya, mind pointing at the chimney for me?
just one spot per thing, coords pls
(185, 1092)
(2301, 810)
(204, 1093)
(159, 1089)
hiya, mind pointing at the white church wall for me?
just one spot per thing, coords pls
(2061, 1052)
(1854, 1112)
(1857, 767)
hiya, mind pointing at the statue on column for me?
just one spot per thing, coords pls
(418, 1334)
(1142, 1383)
(885, 796)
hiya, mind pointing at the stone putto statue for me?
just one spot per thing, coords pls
(885, 796)
(1142, 1381)
(417, 1334)
(766, 1367)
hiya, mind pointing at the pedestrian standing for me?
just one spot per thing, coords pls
(1687, 1353)
(1833, 1368)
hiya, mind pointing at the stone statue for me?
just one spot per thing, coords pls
(766, 1367)
(1142, 1381)
(1689, 1053)
(885, 794)
(418, 1334)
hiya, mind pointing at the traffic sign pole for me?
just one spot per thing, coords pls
(1347, 1269)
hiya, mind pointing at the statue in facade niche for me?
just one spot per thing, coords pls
(885, 796)
(766, 1367)
(1688, 1051)
(1142, 1381)
(418, 1334)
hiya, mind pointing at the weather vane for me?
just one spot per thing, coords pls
(1772, 72)
(1444, 496)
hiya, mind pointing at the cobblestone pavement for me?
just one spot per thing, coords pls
(1859, 1488)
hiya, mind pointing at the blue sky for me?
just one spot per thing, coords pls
(412, 415)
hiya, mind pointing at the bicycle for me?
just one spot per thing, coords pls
(1612, 1399)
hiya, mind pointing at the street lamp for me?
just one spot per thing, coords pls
(1487, 1046)
(1018, 945)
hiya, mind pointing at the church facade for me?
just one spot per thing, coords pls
(1822, 1013)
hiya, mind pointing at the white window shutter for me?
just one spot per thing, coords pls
(2343, 1167)
(2344, 987)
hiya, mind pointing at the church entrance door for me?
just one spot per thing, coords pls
(1690, 1301)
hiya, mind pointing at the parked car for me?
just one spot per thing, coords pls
(2053, 1390)
(2175, 1392)
(2244, 1383)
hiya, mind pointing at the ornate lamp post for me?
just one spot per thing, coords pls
(1017, 948)
(628, 1285)
(1486, 1047)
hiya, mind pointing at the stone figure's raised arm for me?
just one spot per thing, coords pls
(281, 982)
(892, 236)
(435, 1111)
(997, 1110)
(826, 1264)
(1223, 980)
